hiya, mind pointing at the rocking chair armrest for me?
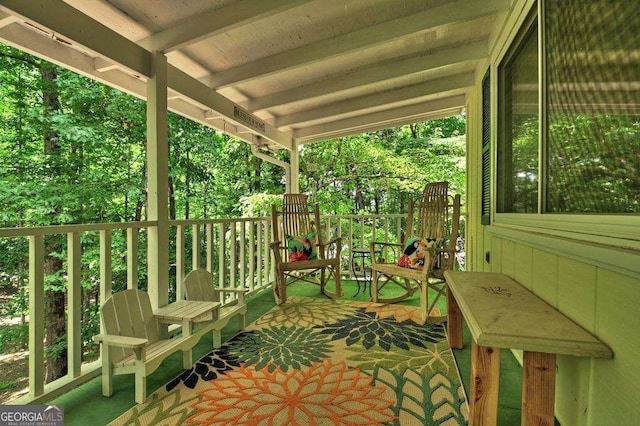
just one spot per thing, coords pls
(379, 248)
(337, 241)
(277, 247)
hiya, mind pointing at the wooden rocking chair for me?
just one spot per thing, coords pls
(297, 222)
(432, 225)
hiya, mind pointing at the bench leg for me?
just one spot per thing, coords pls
(485, 378)
(454, 322)
(538, 388)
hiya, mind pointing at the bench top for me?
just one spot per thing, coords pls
(189, 310)
(504, 314)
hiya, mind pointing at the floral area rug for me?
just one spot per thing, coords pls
(318, 361)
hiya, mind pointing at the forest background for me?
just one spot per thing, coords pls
(72, 150)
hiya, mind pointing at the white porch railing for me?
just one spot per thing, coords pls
(235, 250)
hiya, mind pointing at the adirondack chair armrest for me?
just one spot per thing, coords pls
(120, 341)
(239, 291)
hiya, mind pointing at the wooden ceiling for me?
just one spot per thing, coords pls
(276, 71)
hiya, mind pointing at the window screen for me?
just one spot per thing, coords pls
(593, 110)
(518, 137)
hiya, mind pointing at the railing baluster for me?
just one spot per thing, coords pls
(74, 305)
(105, 265)
(36, 315)
(243, 253)
(210, 246)
(195, 246)
(132, 257)
(221, 255)
(259, 250)
(252, 255)
(267, 252)
(233, 263)
(180, 262)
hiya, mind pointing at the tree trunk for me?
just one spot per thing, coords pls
(55, 324)
(142, 201)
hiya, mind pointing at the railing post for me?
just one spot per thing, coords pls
(36, 315)
(74, 305)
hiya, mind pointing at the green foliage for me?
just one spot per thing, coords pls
(14, 338)
(91, 168)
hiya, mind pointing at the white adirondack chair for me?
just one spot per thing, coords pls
(132, 342)
(199, 285)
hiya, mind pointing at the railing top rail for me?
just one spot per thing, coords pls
(63, 229)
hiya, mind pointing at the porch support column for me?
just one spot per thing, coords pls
(294, 184)
(158, 182)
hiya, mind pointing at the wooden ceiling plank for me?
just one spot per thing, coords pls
(373, 74)
(430, 110)
(428, 20)
(432, 87)
(214, 22)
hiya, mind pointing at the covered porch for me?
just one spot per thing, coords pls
(281, 74)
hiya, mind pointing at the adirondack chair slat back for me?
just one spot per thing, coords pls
(128, 313)
(199, 285)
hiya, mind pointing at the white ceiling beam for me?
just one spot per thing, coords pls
(214, 22)
(194, 89)
(6, 19)
(428, 20)
(367, 75)
(29, 41)
(57, 16)
(461, 82)
(102, 65)
(34, 43)
(382, 119)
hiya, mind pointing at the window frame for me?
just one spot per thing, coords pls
(608, 238)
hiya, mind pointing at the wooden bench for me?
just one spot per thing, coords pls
(500, 313)
(199, 285)
(133, 341)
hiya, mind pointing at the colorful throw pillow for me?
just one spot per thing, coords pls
(415, 252)
(302, 247)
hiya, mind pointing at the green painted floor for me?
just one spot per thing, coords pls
(85, 405)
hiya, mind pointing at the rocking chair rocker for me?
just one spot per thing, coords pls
(432, 225)
(296, 236)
